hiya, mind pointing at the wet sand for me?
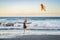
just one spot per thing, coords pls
(34, 37)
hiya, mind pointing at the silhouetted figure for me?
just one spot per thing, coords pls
(24, 25)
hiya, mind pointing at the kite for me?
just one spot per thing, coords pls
(43, 7)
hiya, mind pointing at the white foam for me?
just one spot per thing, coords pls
(14, 33)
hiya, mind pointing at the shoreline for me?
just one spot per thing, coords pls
(34, 37)
(14, 33)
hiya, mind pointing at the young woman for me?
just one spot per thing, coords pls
(24, 25)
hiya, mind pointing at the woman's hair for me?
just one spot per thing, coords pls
(25, 20)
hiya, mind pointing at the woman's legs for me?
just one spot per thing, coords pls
(24, 30)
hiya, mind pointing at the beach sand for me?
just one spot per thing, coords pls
(34, 37)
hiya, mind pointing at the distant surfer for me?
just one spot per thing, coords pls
(24, 25)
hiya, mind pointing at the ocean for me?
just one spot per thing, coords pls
(12, 27)
(32, 22)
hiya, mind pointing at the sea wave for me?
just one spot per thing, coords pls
(33, 22)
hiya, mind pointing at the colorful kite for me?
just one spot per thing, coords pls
(43, 7)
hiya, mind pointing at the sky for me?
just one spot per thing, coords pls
(29, 8)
